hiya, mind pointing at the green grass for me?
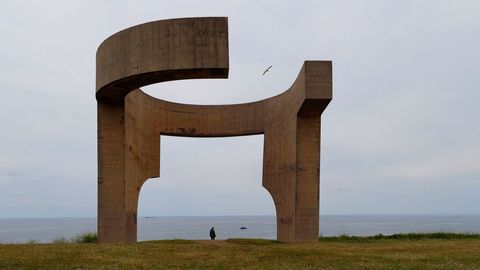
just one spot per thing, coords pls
(406, 251)
(88, 237)
(404, 236)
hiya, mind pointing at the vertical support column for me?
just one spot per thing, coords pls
(279, 176)
(307, 177)
(112, 218)
(318, 93)
(142, 155)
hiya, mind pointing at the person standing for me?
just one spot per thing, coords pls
(212, 233)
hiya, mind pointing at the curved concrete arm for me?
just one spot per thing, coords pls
(165, 50)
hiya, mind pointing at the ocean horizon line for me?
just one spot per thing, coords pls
(256, 215)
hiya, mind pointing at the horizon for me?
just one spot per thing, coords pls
(265, 215)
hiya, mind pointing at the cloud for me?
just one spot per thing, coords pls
(440, 166)
(11, 173)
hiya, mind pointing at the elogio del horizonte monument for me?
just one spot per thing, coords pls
(130, 122)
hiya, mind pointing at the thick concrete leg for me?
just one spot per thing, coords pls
(308, 170)
(142, 157)
(279, 177)
(112, 217)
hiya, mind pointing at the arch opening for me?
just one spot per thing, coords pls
(238, 89)
(203, 183)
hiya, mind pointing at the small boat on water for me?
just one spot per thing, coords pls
(243, 228)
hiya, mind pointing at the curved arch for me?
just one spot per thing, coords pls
(130, 122)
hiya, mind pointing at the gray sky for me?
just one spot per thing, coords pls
(400, 137)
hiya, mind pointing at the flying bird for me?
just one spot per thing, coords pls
(266, 70)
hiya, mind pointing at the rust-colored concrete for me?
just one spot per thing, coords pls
(130, 122)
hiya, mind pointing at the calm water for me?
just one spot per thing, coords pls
(152, 228)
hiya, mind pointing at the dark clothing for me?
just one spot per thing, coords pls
(212, 233)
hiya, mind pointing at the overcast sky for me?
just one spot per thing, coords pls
(401, 136)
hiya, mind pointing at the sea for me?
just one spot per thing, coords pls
(45, 230)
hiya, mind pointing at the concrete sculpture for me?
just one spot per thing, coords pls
(130, 122)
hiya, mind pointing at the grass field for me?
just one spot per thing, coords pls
(406, 251)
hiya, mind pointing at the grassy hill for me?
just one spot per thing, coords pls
(405, 251)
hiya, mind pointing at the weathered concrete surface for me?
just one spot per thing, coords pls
(130, 122)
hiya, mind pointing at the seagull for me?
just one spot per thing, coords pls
(266, 70)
